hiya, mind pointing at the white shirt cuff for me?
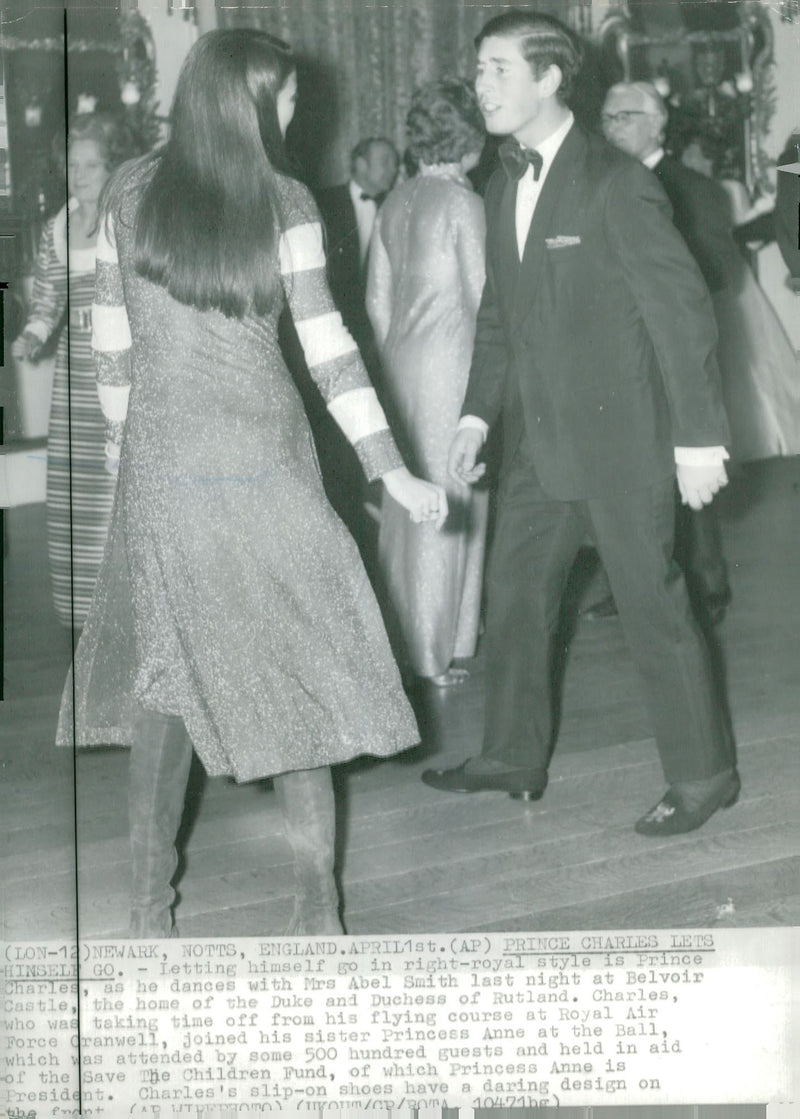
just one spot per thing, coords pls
(474, 422)
(700, 456)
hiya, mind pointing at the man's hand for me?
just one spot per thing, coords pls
(698, 484)
(464, 450)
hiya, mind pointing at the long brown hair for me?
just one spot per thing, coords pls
(209, 218)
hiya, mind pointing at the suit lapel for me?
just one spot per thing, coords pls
(506, 246)
(553, 192)
(351, 245)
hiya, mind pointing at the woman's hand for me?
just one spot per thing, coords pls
(423, 500)
(28, 346)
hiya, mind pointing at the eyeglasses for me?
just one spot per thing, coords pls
(624, 116)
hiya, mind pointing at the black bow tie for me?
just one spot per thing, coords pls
(516, 160)
(376, 198)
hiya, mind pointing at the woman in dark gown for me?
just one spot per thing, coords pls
(232, 612)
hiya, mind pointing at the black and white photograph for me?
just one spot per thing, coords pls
(400, 496)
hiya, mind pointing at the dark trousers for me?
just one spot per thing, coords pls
(699, 551)
(537, 539)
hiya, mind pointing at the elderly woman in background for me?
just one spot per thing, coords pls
(80, 491)
(426, 274)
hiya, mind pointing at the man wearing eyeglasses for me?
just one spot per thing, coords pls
(634, 118)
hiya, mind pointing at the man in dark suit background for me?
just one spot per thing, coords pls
(634, 119)
(348, 212)
(595, 340)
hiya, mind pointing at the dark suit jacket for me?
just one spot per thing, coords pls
(600, 351)
(701, 212)
(787, 211)
(346, 277)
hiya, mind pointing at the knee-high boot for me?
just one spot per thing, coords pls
(309, 816)
(159, 771)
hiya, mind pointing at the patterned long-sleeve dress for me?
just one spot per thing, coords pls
(231, 593)
(80, 492)
(425, 282)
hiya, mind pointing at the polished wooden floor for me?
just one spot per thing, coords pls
(411, 858)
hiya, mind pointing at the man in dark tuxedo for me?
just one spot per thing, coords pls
(595, 340)
(348, 212)
(634, 118)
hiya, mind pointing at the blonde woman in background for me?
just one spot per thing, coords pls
(80, 491)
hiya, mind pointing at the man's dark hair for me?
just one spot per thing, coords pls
(544, 41)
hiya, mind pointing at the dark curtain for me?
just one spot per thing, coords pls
(360, 60)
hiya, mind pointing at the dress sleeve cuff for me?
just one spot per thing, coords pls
(39, 328)
(114, 430)
(474, 422)
(700, 456)
(378, 454)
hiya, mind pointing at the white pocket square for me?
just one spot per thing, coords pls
(562, 241)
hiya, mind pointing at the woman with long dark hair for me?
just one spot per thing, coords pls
(232, 613)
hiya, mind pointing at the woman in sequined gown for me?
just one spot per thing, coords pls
(80, 492)
(232, 613)
(426, 276)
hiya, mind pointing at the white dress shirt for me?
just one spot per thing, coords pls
(366, 209)
(529, 189)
